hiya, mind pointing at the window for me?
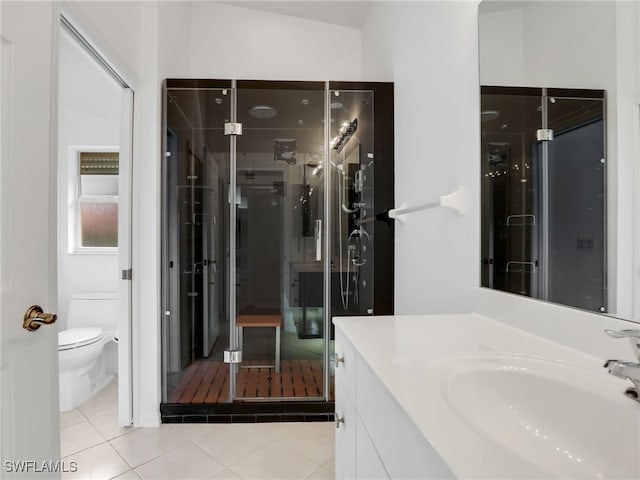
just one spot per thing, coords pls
(97, 202)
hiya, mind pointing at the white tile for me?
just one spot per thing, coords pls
(197, 431)
(77, 437)
(227, 475)
(188, 461)
(107, 424)
(277, 429)
(330, 464)
(102, 402)
(322, 474)
(99, 462)
(130, 475)
(275, 461)
(315, 440)
(145, 444)
(71, 418)
(233, 442)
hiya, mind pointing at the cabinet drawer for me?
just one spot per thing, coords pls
(345, 436)
(404, 451)
(345, 366)
(368, 463)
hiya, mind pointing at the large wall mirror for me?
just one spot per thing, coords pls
(559, 120)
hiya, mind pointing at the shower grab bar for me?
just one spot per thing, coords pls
(456, 200)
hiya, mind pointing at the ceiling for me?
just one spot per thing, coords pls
(346, 13)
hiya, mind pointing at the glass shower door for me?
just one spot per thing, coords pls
(279, 243)
(510, 190)
(268, 233)
(195, 215)
(576, 219)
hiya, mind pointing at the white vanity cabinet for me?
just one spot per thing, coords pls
(459, 395)
(345, 434)
(375, 439)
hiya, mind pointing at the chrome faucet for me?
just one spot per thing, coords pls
(627, 370)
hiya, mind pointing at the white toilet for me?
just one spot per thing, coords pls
(91, 325)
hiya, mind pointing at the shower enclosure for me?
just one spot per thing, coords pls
(543, 194)
(272, 225)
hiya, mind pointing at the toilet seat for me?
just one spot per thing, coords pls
(79, 337)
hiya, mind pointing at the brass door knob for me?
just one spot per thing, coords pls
(35, 317)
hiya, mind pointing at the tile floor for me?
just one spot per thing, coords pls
(91, 438)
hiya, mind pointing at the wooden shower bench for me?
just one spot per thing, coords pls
(261, 321)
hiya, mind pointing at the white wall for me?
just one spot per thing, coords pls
(146, 226)
(211, 40)
(430, 51)
(555, 44)
(234, 42)
(88, 116)
(502, 31)
(174, 40)
(115, 27)
(591, 45)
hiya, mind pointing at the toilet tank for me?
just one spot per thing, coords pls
(94, 310)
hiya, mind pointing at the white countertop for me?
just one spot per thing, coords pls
(407, 353)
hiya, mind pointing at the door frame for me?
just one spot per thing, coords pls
(72, 22)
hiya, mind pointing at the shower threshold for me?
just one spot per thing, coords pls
(293, 394)
(248, 412)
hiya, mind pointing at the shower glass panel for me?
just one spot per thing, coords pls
(279, 241)
(577, 220)
(510, 191)
(543, 194)
(195, 222)
(353, 210)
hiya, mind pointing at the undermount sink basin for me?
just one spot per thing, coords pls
(564, 420)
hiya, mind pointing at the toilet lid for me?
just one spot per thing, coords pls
(77, 337)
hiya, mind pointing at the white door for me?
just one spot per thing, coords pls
(29, 360)
(125, 394)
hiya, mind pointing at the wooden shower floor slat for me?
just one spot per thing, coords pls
(208, 382)
(219, 389)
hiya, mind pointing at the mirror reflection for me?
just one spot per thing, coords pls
(557, 105)
(543, 201)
